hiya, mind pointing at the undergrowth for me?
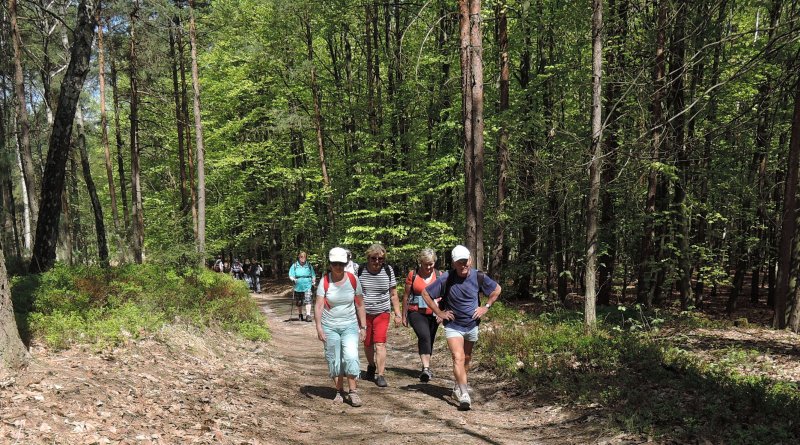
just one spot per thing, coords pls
(646, 383)
(107, 306)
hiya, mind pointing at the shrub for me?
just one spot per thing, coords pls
(69, 305)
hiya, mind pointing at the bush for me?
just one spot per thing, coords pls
(106, 306)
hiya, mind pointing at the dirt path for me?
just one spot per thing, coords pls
(184, 386)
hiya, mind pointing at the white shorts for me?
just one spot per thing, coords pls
(471, 335)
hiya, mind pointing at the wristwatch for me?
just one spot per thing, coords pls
(363, 328)
(487, 305)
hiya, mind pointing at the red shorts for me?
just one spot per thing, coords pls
(377, 328)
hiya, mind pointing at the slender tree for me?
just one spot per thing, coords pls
(44, 253)
(198, 129)
(500, 252)
(137, 213)
(97, 208)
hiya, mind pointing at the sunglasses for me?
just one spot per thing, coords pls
(337, 263)
(377, 258)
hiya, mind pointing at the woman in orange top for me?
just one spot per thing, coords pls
(416, 313)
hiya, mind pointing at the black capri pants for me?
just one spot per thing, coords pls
(425, 326)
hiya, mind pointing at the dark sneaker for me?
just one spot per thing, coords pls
(370, 374)
(309, 318)
(380, 381)
(426, 375)
(353, 399)
(300, 317)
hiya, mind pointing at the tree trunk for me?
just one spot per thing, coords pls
(326, 180)
(12, 351)
(29, 174)
(646, 286)
(97, 209)
(198, 126)
(137, 214)
(104, 132)
(472, 96)
(500, 253)
(595, 167)
(44, 253)
(788, 226)
(123, 195)
(176, 93)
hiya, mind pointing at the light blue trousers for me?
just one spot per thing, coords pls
(341, 350)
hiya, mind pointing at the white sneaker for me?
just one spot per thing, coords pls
(463, 398)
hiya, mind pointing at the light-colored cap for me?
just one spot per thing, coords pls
(460, 253)
(337, 255)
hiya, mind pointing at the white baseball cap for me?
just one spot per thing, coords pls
(337, 255)
(460, 253)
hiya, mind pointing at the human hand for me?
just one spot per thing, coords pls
(321, 335)
(396, 317)
(448, 315)
(405, 322)
(480, 312)
(362, 335)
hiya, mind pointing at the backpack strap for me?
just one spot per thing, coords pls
(326, 281)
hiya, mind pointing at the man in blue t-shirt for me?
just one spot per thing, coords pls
(461, 312)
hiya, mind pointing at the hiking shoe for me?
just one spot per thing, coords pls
(338, 398)
(370, 374)
(309, 318)
(380, 381)
(300, 317)
(426, 375)
(353, 399)
(463, 398)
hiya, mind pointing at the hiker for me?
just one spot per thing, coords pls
(351, 265)
(255, 276)
(341, 324)
(219, 265)
(417, 313)
(380, 295)
(302, 275)
(246, 269)
(461, 311)
(237, 271)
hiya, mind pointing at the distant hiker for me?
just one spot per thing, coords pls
(351, 265)
(341, 325)
(380, 296)
(461, 311)
(302, 275)
(255, 276)
(417, 313)
(219, 265)
(247, 277)
(237, 271)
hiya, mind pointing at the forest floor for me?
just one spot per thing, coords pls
(184, 386)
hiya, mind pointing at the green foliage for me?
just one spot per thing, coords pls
(105, 307)
(646, 384)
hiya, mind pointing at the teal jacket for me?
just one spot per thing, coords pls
(304, 276)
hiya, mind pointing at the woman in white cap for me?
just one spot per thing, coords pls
(342, 325)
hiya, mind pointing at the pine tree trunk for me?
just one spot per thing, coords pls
(646, 286)
(29, 174)
(326, 181)
(788, 226)
(198, 126)
(12, 351)
(97, 209)
(500, 252)
(137, 214)
(123, 194)
(176, 93)
(59, 147)
(104, 132)
(595, 167)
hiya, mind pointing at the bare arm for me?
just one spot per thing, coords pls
(482, 310)
(318, 308)
(361, 314)
(444, 315)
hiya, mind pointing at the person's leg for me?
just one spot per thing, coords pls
(419, 322)
(333, 352)
(455, 342)
(307, 303)
(380, 331)
(350, 363)
(369, 347)
(433, 327)
(380, 358)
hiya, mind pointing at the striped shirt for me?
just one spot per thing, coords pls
(376, 288)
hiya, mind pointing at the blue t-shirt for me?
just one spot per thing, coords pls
(462, 297)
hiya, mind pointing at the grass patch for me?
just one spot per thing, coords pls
(105, 307)
(646, 384)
